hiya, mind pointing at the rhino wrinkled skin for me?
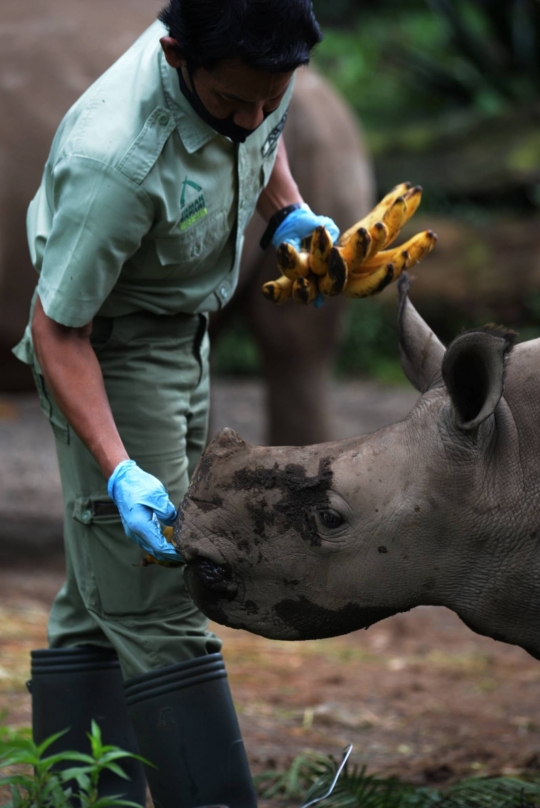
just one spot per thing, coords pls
(440, 508)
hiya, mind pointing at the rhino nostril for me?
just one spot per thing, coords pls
(214, 577)
(210, 570)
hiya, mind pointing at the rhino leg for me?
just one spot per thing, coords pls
(297, 345)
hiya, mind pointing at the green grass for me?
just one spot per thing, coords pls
(33, 781)
(310, 775)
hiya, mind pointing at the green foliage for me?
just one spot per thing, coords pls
(365, 62)
(342, 12)
(397, 64)
(313, 772)
(369, 345)
(35, 782)
(500, 40)
(234, 352)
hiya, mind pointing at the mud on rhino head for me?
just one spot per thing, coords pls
(310, 542)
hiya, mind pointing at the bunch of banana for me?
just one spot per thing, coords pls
(361, 263)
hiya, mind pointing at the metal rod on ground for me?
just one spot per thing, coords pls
(346, 756)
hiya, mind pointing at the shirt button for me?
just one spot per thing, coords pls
(195, 250)
(223, 292)
(164, 119)
(86, 517)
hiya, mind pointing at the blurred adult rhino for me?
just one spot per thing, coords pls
(49, 53)
(441, 508)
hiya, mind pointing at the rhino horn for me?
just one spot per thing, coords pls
(226, 442)
(420, 350)
(473, 370)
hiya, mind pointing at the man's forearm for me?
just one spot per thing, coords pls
(282, 189)
(74, 377)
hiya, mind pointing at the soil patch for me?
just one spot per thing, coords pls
(419, 694)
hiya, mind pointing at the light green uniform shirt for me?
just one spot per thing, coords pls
(142, 205)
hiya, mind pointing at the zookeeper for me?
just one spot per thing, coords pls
(136, 233)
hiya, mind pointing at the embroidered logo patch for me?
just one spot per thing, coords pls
(270, 144)
(193, 204)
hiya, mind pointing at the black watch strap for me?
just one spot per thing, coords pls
(275, 222)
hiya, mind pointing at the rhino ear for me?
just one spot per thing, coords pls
(420, 351)
(473, 371)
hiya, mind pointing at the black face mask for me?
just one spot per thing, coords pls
(224, 126)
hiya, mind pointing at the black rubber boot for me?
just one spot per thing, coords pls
(72, 686)
(186, 725)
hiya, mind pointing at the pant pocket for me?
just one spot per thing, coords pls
(88, 510)
(58, 423)
(118, 586)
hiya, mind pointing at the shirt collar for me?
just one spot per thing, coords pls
(194, 132)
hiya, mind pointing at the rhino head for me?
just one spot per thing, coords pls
(440, 508)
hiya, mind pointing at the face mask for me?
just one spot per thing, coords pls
(224, 126)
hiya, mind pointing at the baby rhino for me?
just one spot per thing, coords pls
(441, 508)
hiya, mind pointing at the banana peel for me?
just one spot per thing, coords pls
(361, 263)
(148, 560)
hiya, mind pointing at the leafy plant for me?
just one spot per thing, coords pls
(500, 39)
(369, 345)
(314, 772)
(38, 782)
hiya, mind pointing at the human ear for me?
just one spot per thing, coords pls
(172, 54)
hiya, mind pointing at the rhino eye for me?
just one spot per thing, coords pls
(331, 519)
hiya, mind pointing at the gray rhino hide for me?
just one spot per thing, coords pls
(440, 508)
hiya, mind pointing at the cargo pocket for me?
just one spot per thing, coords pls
(87, 510)
(116, 585)
(59, 424)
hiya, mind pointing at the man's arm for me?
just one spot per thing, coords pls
(73, 375)
(282, 192)
(282, 189)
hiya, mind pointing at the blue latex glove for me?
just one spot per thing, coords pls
(143, 503)
(301, 223)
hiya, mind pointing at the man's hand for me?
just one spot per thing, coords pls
(283, 191)
(301, 223)
(143, 503)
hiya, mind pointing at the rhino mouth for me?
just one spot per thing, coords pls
(208, 581)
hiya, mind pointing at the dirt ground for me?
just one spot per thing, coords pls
(419, 695)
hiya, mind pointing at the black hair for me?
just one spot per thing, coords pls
(272, 35)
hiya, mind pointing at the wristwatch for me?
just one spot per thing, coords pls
(275, 222)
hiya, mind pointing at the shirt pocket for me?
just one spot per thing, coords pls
(182, 255)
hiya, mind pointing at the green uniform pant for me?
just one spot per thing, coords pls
(156, 376)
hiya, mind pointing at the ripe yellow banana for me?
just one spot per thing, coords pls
(278, 291)
(379, 237)
(394, 219)
(333, 283)
(319, 251)
(292, 264)
(367, 285)
(419, 246)
(413, 197)
(377, 214)
(305, 290)
(357, 248)
(413, 250)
